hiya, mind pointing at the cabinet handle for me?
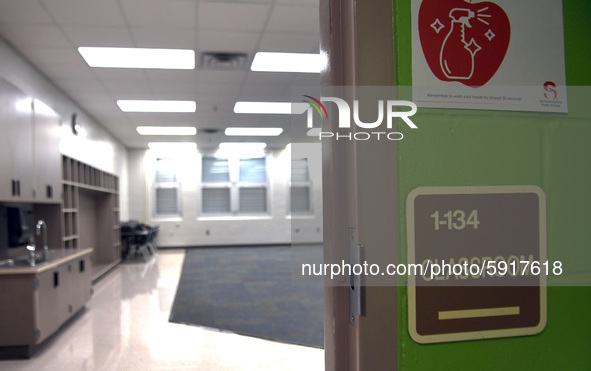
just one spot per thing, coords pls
(49, 191)
(56, 279)
(82, 267)
(13, 187)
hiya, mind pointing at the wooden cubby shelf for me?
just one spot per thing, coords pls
(90, 213)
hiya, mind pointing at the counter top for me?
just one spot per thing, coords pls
(56, 258)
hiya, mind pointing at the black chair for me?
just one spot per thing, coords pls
(152, 239)
(138, 239)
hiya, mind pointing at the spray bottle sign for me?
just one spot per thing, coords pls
(462, 40)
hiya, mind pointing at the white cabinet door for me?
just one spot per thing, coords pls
(47, 128)
(64, 292)
(16, 143)
(81, 282)
(46, 317)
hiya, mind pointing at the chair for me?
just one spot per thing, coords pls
(152, 239)
(139, 244)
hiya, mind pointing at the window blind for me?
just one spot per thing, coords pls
(216, 200)
(253, 199)
(167, 201)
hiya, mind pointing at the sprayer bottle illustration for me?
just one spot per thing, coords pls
(457, 54)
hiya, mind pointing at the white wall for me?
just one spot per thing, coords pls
(193, 229)
(94, 146)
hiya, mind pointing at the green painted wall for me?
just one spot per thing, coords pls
(553, 151)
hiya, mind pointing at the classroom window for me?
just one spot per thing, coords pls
(300, 187)
(234, 186)
(166, 188)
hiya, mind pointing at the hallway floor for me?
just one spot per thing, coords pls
(125, 327)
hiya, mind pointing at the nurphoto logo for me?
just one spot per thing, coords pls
(385, 109)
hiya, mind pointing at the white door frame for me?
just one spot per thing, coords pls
(359, 182)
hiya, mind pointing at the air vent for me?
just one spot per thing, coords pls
(223, 61)
(209, 131)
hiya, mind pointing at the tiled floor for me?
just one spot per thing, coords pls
(125, 327)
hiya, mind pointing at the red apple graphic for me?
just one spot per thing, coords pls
(462, 40)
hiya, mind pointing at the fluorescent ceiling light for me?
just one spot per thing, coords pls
(255, 132)
(166, 130)
(172, 146)
(181, 59)
(157, 105)
(279, 108)
(249, 146)
(286, 62)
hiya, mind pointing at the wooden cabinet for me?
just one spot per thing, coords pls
(46, 316)
(73, 287)
(36, 301)
(29, 140)
(81, 276)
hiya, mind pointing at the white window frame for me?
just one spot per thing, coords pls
(235, 185)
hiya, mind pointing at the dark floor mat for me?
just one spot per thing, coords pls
(253, 291)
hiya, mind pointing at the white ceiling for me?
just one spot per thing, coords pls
(48, 33)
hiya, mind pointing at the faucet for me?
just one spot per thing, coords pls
(42, 224)
(31, 248)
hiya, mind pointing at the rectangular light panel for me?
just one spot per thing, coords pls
(172, 146)
(278, 108)
(286, 62)
(250, 146)
(157, 105)
(256, 132)
(181, 59)
(166, 130)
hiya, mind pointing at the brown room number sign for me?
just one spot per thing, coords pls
(476, 247)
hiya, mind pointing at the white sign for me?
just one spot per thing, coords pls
(501, 55)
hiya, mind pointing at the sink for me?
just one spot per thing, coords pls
(19, 263)
(24, 262)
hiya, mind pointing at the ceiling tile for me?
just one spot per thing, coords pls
(168, 38)
(268, 78)
(305, 79)
(75, 87)
(294, 18)
(265, 93)
(119, 74)
(85, 12)
(232, 16)
(59, 71)
(99, 36)
(165, 76)
(53, 56)
(185, 89)
(23, 12)
(123, 89)
(289, 42)
(220, 77)
(220, 41)
(34, 35)
(177, 14)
